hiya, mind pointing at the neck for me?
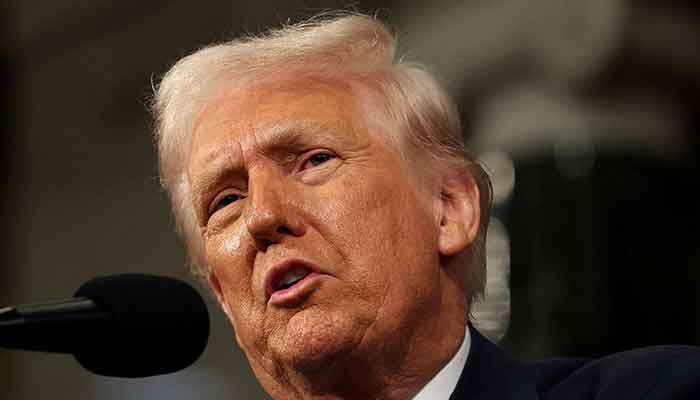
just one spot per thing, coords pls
(381, 368)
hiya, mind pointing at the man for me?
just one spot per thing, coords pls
(326, 196)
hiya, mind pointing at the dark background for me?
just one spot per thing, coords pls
(585, 112)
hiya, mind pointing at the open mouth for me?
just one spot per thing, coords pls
(290, 278)
(285, 277)
(290, 282)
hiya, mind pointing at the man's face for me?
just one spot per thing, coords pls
(321, 245)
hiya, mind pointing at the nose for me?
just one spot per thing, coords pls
(271, 214)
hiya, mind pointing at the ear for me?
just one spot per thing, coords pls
(460, 213)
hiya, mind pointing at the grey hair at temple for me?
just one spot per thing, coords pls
(356, 50)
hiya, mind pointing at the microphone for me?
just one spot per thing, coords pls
(127, 326)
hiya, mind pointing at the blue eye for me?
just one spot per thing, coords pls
(224, 201)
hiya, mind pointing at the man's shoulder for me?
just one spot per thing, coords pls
(660, 372)
(651, 373)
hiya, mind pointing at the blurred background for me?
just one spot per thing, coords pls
(585, 112)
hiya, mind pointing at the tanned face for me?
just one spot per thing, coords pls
(323, 249)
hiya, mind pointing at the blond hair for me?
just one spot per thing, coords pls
(345, 46)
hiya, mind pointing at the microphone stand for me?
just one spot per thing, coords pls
(49, 326)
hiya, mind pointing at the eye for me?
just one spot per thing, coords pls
(223, 201)
(317, 159)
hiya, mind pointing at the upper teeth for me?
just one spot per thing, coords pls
(292, 276)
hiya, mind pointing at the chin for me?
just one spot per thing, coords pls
(313, 339)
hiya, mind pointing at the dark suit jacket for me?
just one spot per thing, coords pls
(653, 373)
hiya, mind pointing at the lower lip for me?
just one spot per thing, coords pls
(292, 295)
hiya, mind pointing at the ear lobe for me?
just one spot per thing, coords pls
(459, 214)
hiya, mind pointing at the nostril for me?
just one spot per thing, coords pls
(284, 230)
(263, 241)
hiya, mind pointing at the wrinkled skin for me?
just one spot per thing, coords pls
(292, 170)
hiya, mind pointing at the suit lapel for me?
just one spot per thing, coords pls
(491, 374)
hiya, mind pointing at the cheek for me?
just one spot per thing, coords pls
(231, 244)
(227, 259)
(378, 225)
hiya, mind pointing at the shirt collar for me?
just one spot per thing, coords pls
(443, 384)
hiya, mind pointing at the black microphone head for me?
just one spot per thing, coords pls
(159, 325)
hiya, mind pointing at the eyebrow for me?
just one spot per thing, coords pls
(299, 133)
(276, 140)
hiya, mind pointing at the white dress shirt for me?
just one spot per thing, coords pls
(444, 383)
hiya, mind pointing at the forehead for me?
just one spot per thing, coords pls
(259, 113)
